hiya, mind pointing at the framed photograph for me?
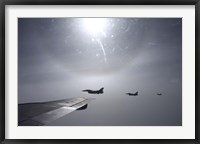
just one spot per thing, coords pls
(100, 72)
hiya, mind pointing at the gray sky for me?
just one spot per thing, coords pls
(59, 57)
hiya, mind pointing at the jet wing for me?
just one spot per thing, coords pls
(42, 113)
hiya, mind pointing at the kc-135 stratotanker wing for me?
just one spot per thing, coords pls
(42, 113)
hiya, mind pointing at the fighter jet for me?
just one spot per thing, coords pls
(100, 91)
(159, 94)
(132, 94)
(43, 113)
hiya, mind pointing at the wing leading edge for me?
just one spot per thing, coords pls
(38, 114)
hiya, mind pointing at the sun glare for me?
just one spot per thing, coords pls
(95, 26)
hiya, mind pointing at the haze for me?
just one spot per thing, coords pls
(59, 57)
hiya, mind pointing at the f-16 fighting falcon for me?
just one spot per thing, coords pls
(100, 91)
(132, 94)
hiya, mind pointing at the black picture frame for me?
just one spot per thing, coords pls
(4, 3)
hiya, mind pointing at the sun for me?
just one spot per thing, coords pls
(95, 26)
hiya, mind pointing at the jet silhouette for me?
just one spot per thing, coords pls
(100, 91)
(132, 94)
(159, 94)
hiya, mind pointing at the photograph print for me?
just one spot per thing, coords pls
(99, 71)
